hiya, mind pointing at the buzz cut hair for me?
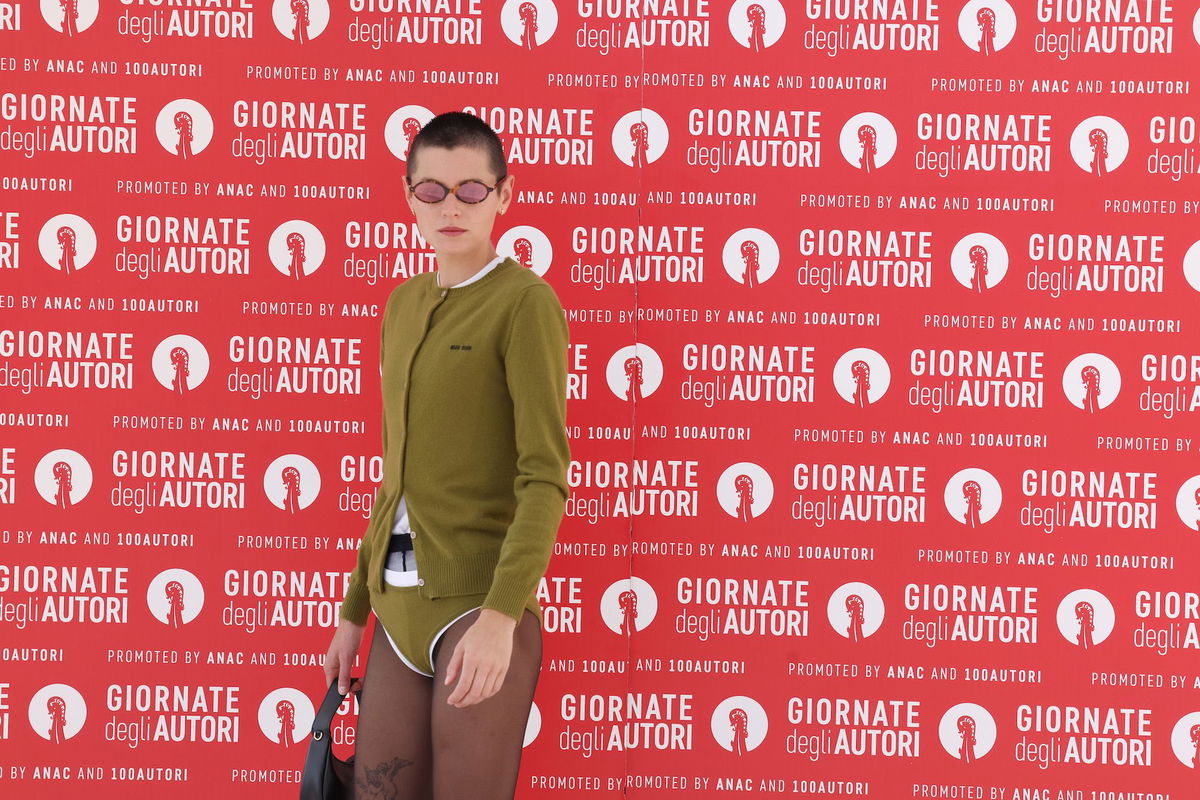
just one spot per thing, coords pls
(460, 129)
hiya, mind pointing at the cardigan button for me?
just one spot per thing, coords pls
(443, 292)
(420, 581)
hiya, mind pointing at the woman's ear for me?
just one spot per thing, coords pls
(506, 192)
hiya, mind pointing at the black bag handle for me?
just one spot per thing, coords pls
(319, 780)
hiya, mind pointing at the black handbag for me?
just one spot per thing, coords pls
(327, 777)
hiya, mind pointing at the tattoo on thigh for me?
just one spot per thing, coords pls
(381, 782)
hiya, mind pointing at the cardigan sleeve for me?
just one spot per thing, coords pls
(356, 607)
(535, 365)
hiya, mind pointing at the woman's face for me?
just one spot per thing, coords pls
(453, 227)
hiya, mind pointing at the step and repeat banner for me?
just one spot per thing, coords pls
(883, 366)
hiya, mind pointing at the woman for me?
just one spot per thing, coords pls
(475, 454)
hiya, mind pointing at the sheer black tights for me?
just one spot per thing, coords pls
(411, 745)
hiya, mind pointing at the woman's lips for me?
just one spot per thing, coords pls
(451, 231)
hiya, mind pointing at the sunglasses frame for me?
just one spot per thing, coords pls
(454, 190)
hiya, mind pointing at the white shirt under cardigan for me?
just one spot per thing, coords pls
(394, 571)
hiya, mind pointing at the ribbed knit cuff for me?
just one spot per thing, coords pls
(357, 605)
(508, 600)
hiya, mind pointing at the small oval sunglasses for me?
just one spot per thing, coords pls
(469, 191)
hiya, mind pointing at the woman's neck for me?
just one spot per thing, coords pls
(454, 269)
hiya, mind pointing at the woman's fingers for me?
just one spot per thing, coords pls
(455, 662)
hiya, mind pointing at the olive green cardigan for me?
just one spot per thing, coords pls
(480, 371)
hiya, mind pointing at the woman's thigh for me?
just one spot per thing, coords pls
(477, 749)
(392, 744)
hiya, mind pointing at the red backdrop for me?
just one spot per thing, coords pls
(880, 379)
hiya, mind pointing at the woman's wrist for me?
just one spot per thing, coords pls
(495, 617)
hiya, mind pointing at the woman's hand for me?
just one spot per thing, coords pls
(480, 659)
(342, 650)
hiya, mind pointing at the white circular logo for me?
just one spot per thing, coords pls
(183, 128)
(750, 256)
(1187, 502)
(403, 124)
(967, 732)
(855, 610)
(987, 26)
(55, 13)
(1099, 145)
(1085, 618)
(533, 725)
(62, 477)
(628, 606)
(175, 597)
(744, 490)
(529, 23)
(972, 496)
(861, 376)
(285, 716)
(1191, 266)
(67, 242)
(528, 246)
(1091, 382)
(757, 24)
(1185, 734)
(292, 482)
(868, 141)
(979, 261)
(739, 724)
(57, 712)
(300, 20)
(180, 363)
(640, 137)
(633, 372)
(296, 248)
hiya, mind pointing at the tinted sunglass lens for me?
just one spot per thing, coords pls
(472, 192)
(429, 192)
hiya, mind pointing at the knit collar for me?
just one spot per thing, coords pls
(442, 291)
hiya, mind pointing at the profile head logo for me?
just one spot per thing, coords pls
(979, 261)
(183, 128)
(744, 491)
(67, 242)
(292, 482)
(296, 248)
(1185, 740)
(987, 26)
(57, 712)
(285, 716)
(640, 137)
(1085, 618)
(180, 363)
(967, 731)
(855, 610)
(402, 125)
(300, 20)
(1187, 502)
(750, 256)
(628, 606)
(634, 372)
(868, 141)
(62, 477)
(739, 724)
(175, 597)
(973, 496)
(861, 376)
(70, 17)
(1091, 382)
(1099, 145)
(757, 24)
(529, 24)
(529, 247)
